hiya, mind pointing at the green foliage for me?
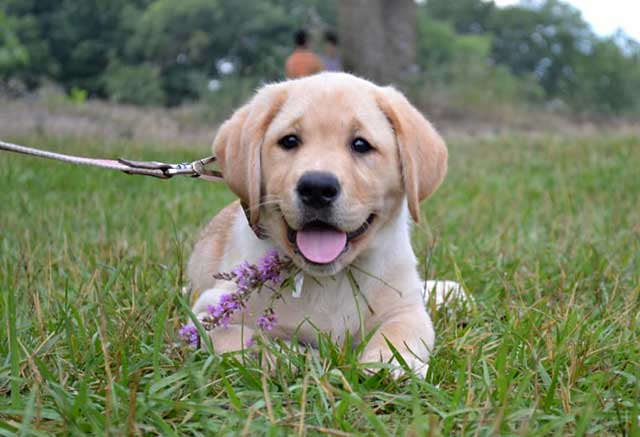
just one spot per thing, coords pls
(173, 49)
(30, 22)
(550, 41)
(72, 42)
(438, 43)
(14, 57)
(135, 84)
(466, 16)
(78, 95)
(189, 40)
(547, 41)
(554, 43)
(77, 43)
(608, 79)
(459, 65)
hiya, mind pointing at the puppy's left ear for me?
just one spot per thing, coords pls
(423, 153)
(238, 146)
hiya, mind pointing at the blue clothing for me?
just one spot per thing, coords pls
(331, 64)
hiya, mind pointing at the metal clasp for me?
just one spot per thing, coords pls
(195, 169)
(200, 169)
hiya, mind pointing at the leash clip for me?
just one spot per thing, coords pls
(200, 169)
(162, 170)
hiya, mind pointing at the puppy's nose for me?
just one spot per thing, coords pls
(318, 189)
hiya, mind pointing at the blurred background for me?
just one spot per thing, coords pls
(538, 218)
(469, 64)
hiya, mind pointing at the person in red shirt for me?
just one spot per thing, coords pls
(302, 62)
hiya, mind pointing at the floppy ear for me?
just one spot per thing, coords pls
(422, 152)
(238, 144)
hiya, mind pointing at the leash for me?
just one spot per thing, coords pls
(195, 169)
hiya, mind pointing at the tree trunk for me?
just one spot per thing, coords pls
(378, 38)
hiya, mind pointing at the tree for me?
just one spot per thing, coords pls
(71, 41)
(13, 55)
(608, 80)
(552, 41)
(466, 16)
(378, 38)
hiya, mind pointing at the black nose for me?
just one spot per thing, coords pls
(318, 189)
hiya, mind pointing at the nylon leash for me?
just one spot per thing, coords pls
(195, 169)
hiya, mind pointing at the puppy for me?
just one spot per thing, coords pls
(329, 169)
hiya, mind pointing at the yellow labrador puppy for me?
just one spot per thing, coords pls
(329, 169)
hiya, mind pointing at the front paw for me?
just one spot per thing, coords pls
(412, 362)
(233, 338)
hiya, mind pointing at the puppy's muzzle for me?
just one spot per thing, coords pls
(320, 237)
(318, 190)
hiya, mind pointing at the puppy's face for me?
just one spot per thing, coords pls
(331, 174)
(325, 165)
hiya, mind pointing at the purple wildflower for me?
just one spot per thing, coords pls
(231, 302)
(189, 333)
(222, 312)
(267, 321)
(269, 267)
(246, 276)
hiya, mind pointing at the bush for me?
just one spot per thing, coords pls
(13, 55)
(135, 84)
(460, 68)
(438, 43)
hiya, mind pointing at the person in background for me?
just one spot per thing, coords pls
(302, 62)
(331, 57)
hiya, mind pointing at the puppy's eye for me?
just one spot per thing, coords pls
(361, 146)
(289, 142)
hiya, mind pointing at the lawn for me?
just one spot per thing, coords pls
(544, 230)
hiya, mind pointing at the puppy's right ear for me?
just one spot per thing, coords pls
(238, 144)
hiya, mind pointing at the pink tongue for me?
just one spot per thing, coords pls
(321, 246)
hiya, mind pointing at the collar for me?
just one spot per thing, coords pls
(255, 227)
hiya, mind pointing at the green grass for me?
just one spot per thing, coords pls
(544, 231)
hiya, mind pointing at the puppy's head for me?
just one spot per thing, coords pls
(323, 163)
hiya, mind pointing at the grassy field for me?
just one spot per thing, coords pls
(543, 230)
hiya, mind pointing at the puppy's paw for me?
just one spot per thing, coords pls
(384, 355)
(233, 338)
(443, 292)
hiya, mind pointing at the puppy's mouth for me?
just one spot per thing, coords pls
(321, 243)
